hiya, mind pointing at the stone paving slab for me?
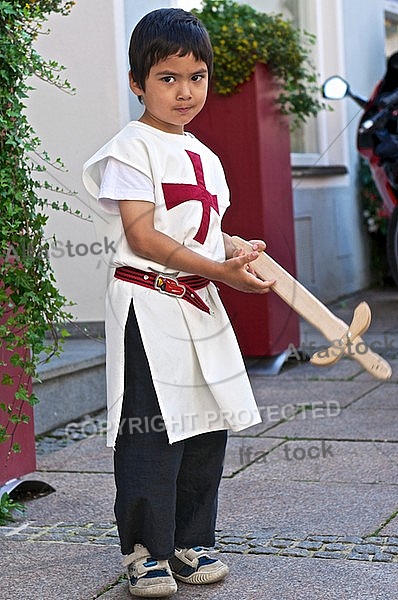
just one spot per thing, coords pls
(344, 462)
(344, 370)
(92, 456)
(391, 526)
(257, 577)
(319, 399)
(298, 391)
(251, 502)
(268, 390)
(384, 397)
(32, 571)
(331, 461)
(87, 455)
(79, 497)
(241, 452)
(350, 424)
(266, 424)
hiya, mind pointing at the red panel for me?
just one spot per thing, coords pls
(252, 140)
(13, 465)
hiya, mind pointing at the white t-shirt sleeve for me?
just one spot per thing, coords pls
(123, 182)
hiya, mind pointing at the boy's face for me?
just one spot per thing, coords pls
(175, 92)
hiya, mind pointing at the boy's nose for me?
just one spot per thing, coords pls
(184, 92)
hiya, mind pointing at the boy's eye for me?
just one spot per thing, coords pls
(197, 77)
(168, 79)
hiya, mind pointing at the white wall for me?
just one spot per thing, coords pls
(364, 53)
(90, 42)
(331, 241)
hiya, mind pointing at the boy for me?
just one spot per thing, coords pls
(175, 376)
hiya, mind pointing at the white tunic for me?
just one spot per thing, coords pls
(195, 362)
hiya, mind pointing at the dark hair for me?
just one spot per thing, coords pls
(162, 33)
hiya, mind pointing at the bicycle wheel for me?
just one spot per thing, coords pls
(392, 245)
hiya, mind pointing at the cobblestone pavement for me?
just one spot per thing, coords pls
(80, 429)
(372, 548)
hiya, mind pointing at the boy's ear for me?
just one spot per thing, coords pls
(134, 86)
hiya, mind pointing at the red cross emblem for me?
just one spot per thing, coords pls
(177, 193)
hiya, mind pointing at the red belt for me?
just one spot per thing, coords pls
(180, 287)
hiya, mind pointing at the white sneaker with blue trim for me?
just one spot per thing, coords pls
(147, 577)
(193, 565)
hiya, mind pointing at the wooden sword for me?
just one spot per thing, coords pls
(345, 339)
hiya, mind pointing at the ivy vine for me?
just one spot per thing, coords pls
(32, 310)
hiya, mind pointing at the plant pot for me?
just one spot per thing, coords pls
(252, 139)
(15, 464)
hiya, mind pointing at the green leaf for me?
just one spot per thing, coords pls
(15, 419)
(7, 380)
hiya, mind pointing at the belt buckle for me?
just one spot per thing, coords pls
(169, 286)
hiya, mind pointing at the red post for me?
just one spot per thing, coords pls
(252, 139)
(15, 464)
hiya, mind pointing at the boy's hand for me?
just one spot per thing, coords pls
(258, 245)
(240, 275)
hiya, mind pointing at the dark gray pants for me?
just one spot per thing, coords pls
(166, 493)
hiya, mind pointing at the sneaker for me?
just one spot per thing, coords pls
(193, 565)
(147, 577)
